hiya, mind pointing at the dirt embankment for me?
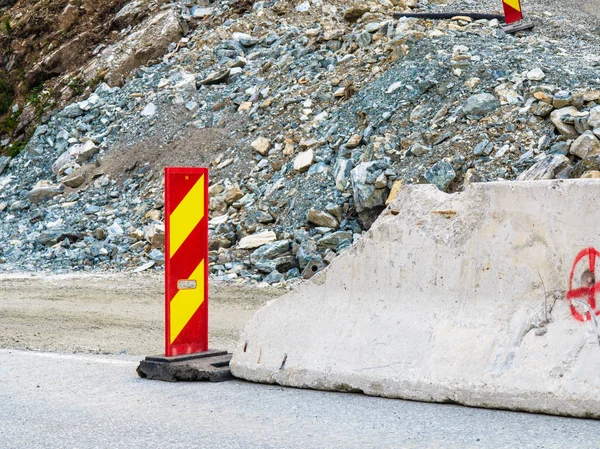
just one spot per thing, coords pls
(110, 314)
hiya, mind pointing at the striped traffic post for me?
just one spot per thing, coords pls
(186, 260)
(512, 11)
(187, 357)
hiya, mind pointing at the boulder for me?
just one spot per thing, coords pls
(43, 191)
(480, 105)
(586, 146)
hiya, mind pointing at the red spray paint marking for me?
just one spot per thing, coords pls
(587, 293)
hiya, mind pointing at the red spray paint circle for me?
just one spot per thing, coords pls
(589, 288)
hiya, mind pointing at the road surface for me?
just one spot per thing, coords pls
(50, 400)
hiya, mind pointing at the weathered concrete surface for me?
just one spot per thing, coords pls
(443, 301)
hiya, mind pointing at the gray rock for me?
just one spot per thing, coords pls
(341, 173)
(52, 236)
(4, 160)
(157, 256)
(281, 264)
(480, 105)
(274, 277)
(72, 111)
(546, 168)
(149, 110)
(562, 99)
(321, 218)
(44, 191)
(559, 148)
(586, 146)
(542, 109)
(215, 77)
(419, 149)
(245, 39)
(73, 181)
(115, 230)
(557, 120)
(271, 250)
(366, 196)
(594, 118)
(483, 148)
(334, 239)
(536, 74)
(364, 39)
(19, 205)
(441, 174)
(581, 125)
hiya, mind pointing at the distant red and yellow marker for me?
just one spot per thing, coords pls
(512, 10)
(186, 260)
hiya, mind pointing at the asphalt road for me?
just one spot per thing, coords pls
(50, 400)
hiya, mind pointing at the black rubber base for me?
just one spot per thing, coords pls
(211, 366)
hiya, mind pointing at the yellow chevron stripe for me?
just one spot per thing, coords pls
(186, 303)
(186, 216)
(515, 4)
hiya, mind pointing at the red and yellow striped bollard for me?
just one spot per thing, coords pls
(186, 260)
(512, 11)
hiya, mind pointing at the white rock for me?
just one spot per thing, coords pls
(83, 152)
(43, 191)
(261, 145)
(187, 84)
(115, 230)
(94, 99)
(149, 110)
(536, 75)
(74, 156)
(394, 87)
(257, 240)
(200, 13)
(594, 118)
(303, 7)
(304, 160)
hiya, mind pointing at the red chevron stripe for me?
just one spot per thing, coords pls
(178, 186)
(194, 336)
(511, 14)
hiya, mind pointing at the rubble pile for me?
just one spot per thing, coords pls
(311, 116)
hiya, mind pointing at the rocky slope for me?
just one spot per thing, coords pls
(311, 115)
(54, 51)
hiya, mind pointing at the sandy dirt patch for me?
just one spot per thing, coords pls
(110, 314)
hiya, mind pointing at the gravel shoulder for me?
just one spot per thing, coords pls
(110, 314)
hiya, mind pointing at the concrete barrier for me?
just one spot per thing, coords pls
(473, 298)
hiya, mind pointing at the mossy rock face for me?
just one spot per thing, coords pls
(7, 95)
(4, 3)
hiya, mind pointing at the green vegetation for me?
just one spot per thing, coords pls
(9, 124)
(16, 148)
(95, 82)
(41, 99)
(7, 95)
(7, 25)
(76, 85)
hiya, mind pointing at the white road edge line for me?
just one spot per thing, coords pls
(74, 357)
